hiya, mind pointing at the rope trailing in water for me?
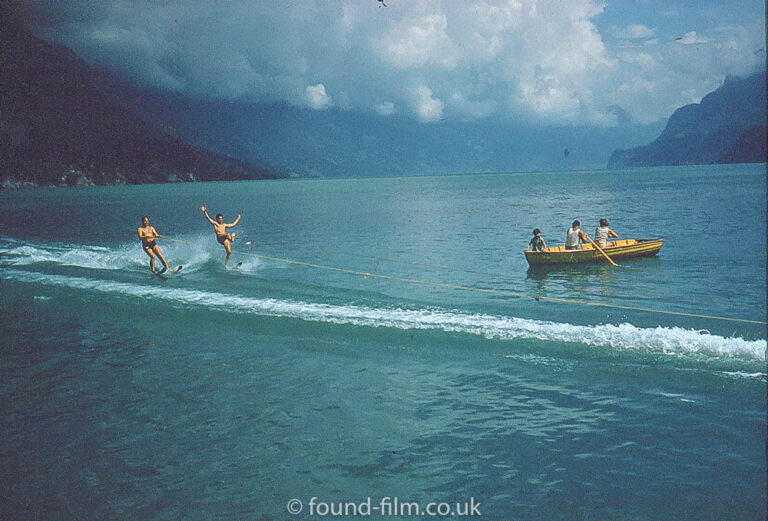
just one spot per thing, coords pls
(449, 285)
(475, 272)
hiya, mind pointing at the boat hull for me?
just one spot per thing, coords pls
(616, 250)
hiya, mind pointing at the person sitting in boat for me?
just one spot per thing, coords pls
(602, 233)
(575, 236)
(537, 243)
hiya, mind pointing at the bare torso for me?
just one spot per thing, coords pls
(147, 234)
(220, 229)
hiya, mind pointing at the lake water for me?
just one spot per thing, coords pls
(384, 339)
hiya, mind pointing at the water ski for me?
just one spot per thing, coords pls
(161, 273)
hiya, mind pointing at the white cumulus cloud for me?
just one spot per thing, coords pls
(416, 43)
(691, 38)
(634, 32)
(427, 108)
(542, 61)
(317, 98)
(385, 109)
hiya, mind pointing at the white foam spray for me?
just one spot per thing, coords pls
(663, 340)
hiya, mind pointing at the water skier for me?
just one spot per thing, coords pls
(224, 238)
(147, 235)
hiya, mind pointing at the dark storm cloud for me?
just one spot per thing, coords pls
(543, 60)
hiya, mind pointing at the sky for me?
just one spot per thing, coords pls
(583, 63)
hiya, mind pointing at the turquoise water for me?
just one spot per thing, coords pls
(384, 338)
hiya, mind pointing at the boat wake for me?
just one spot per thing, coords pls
(673, 341)
(194, 253)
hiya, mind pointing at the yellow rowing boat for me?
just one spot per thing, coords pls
(616, 250)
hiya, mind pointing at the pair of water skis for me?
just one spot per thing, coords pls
(162, 273)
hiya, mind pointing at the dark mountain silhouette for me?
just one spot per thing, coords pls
(343, 143)
(728, 126)
(63, 122)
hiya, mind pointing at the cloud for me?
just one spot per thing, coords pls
(640, 60)
(539, 61)
(317, 98)
(471, 109)
(633, 32)
(690, 38)
(418, 43)
(385, 109)
(426, 107)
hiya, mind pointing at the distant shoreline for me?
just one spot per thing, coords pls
(13, 183)
(81, 180)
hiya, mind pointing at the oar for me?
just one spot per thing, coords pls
(600, 250)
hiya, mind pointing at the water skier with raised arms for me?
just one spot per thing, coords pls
(224, 238)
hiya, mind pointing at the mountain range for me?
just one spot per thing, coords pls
(728, 126)
(64, 123)
(341, 143)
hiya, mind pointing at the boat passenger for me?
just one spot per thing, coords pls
(537, 243)
(602, 233)
(575, 236)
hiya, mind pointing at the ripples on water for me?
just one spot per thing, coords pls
(223, 393)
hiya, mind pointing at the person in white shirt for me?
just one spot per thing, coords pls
(602, 233)
(575, 236)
